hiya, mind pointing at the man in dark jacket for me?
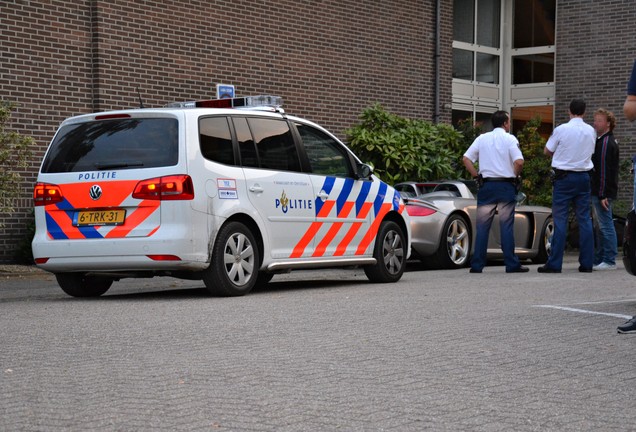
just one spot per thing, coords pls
(604, 189)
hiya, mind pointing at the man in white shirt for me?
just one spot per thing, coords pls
(500, 162)
(571, 147)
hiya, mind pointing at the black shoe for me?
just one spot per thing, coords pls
(585, 269)
(544, 269)
(472, 270)
(520, 269)
(628, 327)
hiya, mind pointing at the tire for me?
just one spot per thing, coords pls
(629, 241)
(235, 261)
(545, 242)
(390, 253)
(81, 285)
(454, 245)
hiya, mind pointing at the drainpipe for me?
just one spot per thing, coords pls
(438, 32)
(93, 55)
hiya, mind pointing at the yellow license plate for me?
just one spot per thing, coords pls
(99, 217)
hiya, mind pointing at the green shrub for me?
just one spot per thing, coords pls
(402, 149)
(536, 180)
(469, 131)
(14, 154)
(24, 253)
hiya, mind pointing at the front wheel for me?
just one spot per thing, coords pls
(81, 285)
(390, 254)
(235, 260)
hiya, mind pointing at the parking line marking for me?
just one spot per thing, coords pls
(569, 309)
(607, 301)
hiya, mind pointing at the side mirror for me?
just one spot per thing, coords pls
(520, 198)
(364, 171)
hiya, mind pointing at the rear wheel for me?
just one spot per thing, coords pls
(81, 285)
(390, 253)
(454, 246)
(235, 257)
(545, 242)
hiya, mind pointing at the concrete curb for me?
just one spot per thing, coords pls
(14, 271)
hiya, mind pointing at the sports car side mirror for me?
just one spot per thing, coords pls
(364, 171)
(520, 198)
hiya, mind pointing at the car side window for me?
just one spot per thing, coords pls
(247, 148)
(407, 191)
(274, 144)
(448, 187)
(215, 140)
(326, 155)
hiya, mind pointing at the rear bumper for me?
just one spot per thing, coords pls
(119, 255)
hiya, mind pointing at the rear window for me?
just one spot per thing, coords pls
(114, 144)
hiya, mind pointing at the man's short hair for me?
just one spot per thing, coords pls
(499, 118)
(577, 107)
(609, 116)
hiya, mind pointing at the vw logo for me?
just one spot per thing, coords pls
(95, 192)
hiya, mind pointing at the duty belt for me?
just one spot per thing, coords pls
(560, 171)
(499, 179)
(558, 174)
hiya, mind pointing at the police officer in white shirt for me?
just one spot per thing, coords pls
(500, 163)
(571, 147)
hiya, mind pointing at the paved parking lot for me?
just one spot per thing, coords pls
(323, 350)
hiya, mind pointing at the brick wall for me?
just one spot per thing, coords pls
(328, 59)
(596, 48)
(323, 58)
(45, 67)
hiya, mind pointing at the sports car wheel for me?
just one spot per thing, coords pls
(80, 285)
(235, 258)
(454, 246)
(545, 242)
(389, 253)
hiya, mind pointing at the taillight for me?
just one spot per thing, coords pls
(414, 210)
(45, 194)
(168, 188)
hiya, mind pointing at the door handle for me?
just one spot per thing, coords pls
(323, 195)
(256, 188)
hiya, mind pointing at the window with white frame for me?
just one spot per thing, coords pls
(503, 58)
(476, 46)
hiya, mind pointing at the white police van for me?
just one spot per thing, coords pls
(229, 191)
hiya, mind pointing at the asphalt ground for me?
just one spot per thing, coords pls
(323, 350)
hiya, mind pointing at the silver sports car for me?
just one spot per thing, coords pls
(443, 226)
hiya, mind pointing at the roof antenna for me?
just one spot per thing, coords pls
(141, 103)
